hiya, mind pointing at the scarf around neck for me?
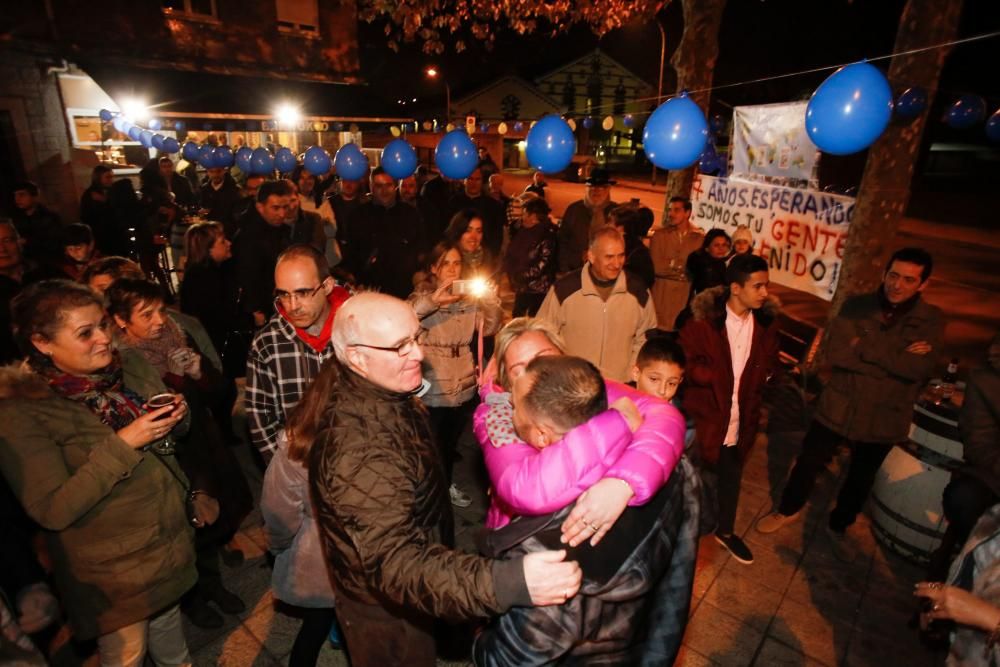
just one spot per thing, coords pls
(157, 350)
(104, 392)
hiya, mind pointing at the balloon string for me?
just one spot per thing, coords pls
(964, 40)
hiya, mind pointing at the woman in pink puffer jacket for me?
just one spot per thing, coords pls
(601, 462)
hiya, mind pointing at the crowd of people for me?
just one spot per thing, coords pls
(614, 413)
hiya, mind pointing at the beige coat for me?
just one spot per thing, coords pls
(606, 333)
(669, 250)
(446, 341)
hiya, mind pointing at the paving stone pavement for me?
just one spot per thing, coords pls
(794, 606)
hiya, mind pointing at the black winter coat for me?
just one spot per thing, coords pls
(633, 604)
(531, 259)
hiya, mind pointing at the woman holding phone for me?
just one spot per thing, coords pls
(450, 318)
(75, 438)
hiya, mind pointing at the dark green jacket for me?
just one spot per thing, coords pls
(870, 395)
(113, 517)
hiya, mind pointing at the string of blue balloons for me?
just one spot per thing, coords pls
(845, 115)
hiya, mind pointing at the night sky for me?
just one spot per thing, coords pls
(758, 38)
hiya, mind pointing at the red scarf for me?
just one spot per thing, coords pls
(319, 342)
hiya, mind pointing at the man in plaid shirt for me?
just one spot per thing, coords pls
(286, 354)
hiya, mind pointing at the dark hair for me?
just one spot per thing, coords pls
(565, 390)
(660, 347)
(114, 266)
(164, 159)
(272, 189)
(683, 200)
(95, 175)
(536, 206)
(304, 250)
(41, 309)
(635, 224)
(198, 241)
(306, 418)
(378, 171)
(741, 267)
(713, 234)
(297, 174)
(27, 186)
(459, 223)
(76, 234)
(917, 256)
(126, 294)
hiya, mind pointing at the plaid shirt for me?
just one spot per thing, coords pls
(280, 368)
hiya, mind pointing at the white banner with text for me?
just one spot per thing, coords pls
(801, 233)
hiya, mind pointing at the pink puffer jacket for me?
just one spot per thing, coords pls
(532, 482)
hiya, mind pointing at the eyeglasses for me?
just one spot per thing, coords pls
(403, 349)
(281, 296)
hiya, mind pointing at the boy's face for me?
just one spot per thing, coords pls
(536, 432)
(659, 378)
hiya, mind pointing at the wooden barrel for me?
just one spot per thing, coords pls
(907, 517)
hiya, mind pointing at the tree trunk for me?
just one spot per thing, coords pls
(885, 186)
(694, 62)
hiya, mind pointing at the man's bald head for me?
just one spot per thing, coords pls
(375, 336)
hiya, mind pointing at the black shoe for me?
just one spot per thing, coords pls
(737, 547)
(232, 557)
(228, 602)
(201, 615)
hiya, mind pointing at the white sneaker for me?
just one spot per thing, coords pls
(459, 498)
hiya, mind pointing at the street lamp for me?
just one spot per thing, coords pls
(659, 87)
(434, 73)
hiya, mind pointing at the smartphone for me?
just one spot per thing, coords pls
(473, 287)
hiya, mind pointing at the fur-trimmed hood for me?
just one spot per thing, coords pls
(17, 380)
(711, 305)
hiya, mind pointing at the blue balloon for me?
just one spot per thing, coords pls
(179, 125)
(675, 134)
(456, 155)
(968, 110)
(134, 132)
(157, 141)
(350, 162)
(170, 145)
(399, 159)
(261, 161)
(993, 127)
(191, 151)
(284, 160)
(223, 157)
(518, 126)
(206, 156)
(911, 102)
(119, 124)
(628, 120)
(316, 160)
(338, 127)
(243, 159)
(849, 110)
(146, 138)
(106, 115)
(484, 127)
(155, 124)
(588, 122)
(550, 145)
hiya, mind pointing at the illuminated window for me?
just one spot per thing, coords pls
(298, 16)
(197, 9)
